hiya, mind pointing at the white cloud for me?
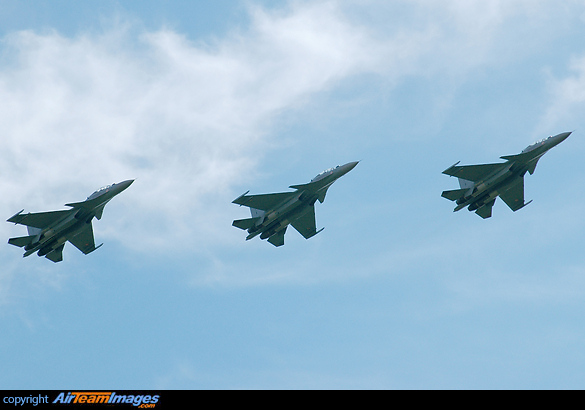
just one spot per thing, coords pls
(186, 119)
(567, 96)
(191, 119)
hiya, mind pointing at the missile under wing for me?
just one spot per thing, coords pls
(49, 231)
(272, 213)
(480, 185)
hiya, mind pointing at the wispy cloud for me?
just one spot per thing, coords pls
(567, 94)
(186, 119)
(191, 119)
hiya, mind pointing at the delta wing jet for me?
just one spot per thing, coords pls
(48, 231)
(272, 213)
(482, 184)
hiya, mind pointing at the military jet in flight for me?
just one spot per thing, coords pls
(48, 231)
(272, 213)
(482, 184)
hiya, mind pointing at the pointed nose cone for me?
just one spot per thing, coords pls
(563, 136)
(557, 139)
(348, 167)
(344, 169)
(351, 165)
(121, 186)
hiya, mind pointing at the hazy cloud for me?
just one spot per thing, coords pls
(186, 119)
(189, 119)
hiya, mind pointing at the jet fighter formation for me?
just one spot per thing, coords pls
(48, 231)
(482, 184)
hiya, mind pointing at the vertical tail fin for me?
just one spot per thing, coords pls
(256, 213)
(56, 255)
(33, 231)
(465, 184)
(486, 210)
(278, 238)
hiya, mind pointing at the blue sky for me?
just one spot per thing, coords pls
(201, 101)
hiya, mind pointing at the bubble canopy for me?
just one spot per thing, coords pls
(100, 191)
(327, 171)
(536, 144)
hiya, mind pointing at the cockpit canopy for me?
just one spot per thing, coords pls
(100, 191)
(322, 174)
(535, 145)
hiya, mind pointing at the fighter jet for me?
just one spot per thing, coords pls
(482, 184)
(272, 213)
(48, 231)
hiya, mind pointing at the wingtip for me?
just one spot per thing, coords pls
(451, 167)
(241, 196)
(14, 216)
(95, 248)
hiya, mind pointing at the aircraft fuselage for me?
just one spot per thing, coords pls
(272, 213)
(482, 184)
(48, 231)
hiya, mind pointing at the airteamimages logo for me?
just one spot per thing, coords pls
(143, 401)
